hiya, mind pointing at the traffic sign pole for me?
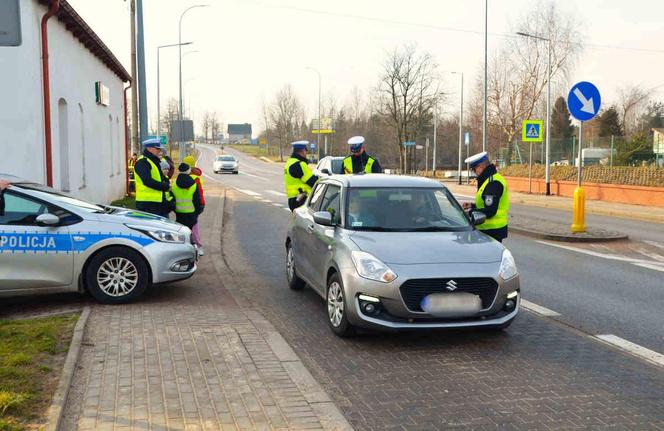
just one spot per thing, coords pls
(578, 221)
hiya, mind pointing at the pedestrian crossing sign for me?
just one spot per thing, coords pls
(531, 130)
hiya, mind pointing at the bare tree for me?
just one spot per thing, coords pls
(407, 91)
(286, 116)
(206, 124)
(215, 127)
(632, 101)
(171, 114)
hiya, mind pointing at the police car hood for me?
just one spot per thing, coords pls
(129, 216)
(411, 248)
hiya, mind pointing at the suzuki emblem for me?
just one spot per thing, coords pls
(451, 285)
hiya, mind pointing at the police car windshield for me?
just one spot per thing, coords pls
(404, 210)
(59, 197)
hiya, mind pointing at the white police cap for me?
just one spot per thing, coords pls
(152, 142)
(300, 145)
(478, 158)
(356, 140)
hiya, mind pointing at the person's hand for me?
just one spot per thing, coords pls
(4, 184)
(466, 206)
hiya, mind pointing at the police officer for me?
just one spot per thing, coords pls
(298, 178)
(151, 183)
(492, 196)
(359, 161)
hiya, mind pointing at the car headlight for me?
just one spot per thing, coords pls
(161, 235)
(370, 267)
(507, 266)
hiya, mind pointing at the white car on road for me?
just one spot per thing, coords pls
(226, 163)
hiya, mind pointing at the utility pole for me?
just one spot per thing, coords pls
(486, 74)
(460, 126)
(135, 145)
(319, 119)
(140, 60)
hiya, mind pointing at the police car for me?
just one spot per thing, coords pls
(50, 241)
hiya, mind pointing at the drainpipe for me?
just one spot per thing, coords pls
(53, 9)
(126, 124)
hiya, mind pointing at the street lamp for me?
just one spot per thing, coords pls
(158, 99)
(486, 74)
(319, 119)
(180, 57)
(435, 134)
(460, 122)
(547, 168)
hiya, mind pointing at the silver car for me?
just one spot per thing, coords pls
(226, 163)
(50, 241)
(398, 252)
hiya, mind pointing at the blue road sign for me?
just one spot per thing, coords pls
(312, 145)
(466, 138)
(583, 101)
(409, 144)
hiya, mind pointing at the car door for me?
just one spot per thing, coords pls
(32, 256)
(304, 226)
(323, 237)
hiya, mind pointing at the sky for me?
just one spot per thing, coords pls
(244, 51)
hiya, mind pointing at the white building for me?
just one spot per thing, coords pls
(88, 134)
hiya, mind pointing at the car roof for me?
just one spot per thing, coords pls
(13, 178)
(384, 180)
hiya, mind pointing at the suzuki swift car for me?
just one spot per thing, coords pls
(50, 241)
(399, 253)
(226, 163)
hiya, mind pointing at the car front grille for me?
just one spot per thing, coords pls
(413, 291)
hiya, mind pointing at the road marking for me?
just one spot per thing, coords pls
(634, 349)
(287, 209)
(652, 266)
(655, 244)
(276, 204)
(248, 192)
(253, 176)
(274, 192)
(538, 309)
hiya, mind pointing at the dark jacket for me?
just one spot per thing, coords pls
(359, 162)
(189, 219)
(493, 191)
(142, 169)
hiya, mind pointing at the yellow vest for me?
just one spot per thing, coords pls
(200, 177)
(500, 218)
(184, 199)
(145, 193)
(293, 185)
(348, 165)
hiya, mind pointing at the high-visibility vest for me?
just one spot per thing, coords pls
(348, 165)
(184, 199)
(294, 185)
(500, 218)
(199, 177)
(145, 193)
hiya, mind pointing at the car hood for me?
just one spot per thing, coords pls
(129, 216)
(409, 248)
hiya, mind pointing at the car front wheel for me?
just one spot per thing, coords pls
(116, 275)
(294, 282)
(336, 308)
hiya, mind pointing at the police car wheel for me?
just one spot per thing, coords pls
(116, 275)
(337, 307)
(294, 282)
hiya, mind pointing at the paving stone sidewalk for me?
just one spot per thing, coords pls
(187, 357)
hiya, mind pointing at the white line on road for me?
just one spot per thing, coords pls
(651, 266)
(253, 176)
(287, 209)
(655, 244)
(538, 309)
(276, 193)
(634, 349)
(276, 204)
(248, 192)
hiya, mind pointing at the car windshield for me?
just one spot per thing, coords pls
(337, 166)
(225, 159)
(59, 197)
(404, 210)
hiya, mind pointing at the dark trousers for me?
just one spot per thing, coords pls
(498, 234)
(156, 208)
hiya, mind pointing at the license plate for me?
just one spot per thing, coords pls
(458, 304)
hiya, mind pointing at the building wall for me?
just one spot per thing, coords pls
(87, 139)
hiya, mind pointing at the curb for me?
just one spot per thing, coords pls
(265, 159)
(329, 415)
(56, 409)
(567, 238)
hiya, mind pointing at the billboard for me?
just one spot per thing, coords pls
(323, 126)
(182, 130)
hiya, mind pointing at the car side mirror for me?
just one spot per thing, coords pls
(325, 171)
(477, 217)
(323, 218)
(47, 219)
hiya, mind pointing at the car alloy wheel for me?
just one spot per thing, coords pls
(117, 276)
(335, 304)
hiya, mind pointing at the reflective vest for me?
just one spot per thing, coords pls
(348, 165)
(294, 185)
(145, 193)
(500, 218)
(184, 199)
(200, 177)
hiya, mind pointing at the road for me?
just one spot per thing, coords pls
(600, 289)
(539, 374)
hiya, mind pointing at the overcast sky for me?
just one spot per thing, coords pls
(248, 49)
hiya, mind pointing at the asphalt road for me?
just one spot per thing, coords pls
(600, 289)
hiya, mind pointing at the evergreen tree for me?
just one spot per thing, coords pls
(609, 123)
(561, 123)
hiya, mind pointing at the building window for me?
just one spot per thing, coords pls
(110, 144)
(63, 143)
(82, 146)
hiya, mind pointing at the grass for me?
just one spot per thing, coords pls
(126, 202)
(30, 351)
(255, 150)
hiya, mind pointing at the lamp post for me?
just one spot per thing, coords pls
(547, 167)
(180, 60)
(158, 97)
(486, 74)
(435, 134)
(460, 123)
(319, 119)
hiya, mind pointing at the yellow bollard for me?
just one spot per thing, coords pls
(578, 224)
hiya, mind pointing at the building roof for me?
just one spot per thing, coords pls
(239, 129)
(82, 31)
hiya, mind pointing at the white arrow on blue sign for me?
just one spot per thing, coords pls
(583, 101)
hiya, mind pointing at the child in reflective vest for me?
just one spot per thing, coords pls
(188, 203)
